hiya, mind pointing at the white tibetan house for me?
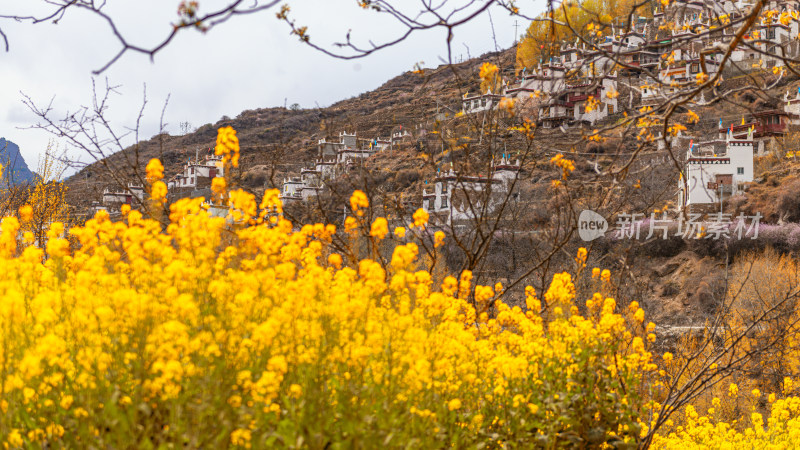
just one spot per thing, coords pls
(716, 170)
(457, 198)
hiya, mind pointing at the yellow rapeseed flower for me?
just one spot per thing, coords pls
(380, 228)
(335, 260)
(358, 201)
(25, 213)
(155, 170)
(438, 238)
(66, 401)
(227, 146)
(420, 218)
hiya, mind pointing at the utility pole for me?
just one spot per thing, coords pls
(516, 32)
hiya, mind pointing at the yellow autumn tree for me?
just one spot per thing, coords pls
(490, 78)
(46, 200)
(765, 289)
(589, 19)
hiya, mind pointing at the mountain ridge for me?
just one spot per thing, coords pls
(15, 169)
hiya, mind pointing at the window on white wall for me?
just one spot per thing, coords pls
(740, 170)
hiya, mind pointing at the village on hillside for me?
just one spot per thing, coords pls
(580, 85)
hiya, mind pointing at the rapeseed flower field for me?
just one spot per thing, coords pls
(252, 332)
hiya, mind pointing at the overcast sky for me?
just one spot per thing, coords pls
(249, 62)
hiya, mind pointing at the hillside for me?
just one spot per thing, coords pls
(286, 139)
(678, 282)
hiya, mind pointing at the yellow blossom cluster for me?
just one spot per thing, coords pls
(566, 165)
(155, 173)
(227, 146)
(781, 429)
(154, 170)
(420, 218)
(507, 104)
(218, 187)
(380, 228)
(241, 333)
(490, 80)
(358, 202)
(488, 70)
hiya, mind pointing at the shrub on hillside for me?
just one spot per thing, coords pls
(789, 201)
(406, 177)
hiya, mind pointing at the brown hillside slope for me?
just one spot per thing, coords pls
(286, 139)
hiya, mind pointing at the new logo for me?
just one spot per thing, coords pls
(591, 225)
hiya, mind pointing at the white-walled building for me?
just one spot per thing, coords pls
(197, 173)
(292, 189)
(457, 198)
(587, 100)
(193, 181)
(113, 197)
(96, 207)
(312, 183)
(478, 103)
(588, 96)
(377, 144)
(792, 107)
(674, 75)
(334, 158)
(544, 81)
(716, 168)
(399, 136)
(304, 187)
